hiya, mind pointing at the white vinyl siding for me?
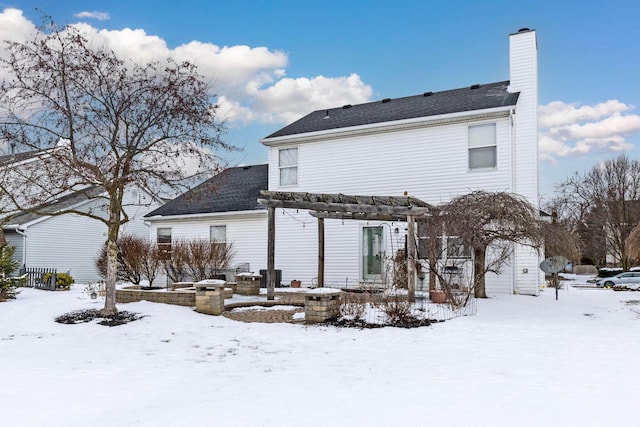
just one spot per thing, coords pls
(431, 164)
(482, 146)
(288, 166)
(247, 233)
(70, 243)
(16, 241)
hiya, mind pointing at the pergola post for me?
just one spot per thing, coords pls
(271, 248)
(411, 257)
(320, 252)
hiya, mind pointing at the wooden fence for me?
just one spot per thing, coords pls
(35, 278)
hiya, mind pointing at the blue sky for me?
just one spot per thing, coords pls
(274, 61)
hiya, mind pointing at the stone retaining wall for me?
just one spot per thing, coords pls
(186, 298)
(290, 297)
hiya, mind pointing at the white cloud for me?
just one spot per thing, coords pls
(100, 16)
(573, 130)
(557, 113)
(290, 99)
(251, 81)
(14, 26)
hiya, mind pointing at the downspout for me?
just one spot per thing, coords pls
(23, 233)
(512, 141)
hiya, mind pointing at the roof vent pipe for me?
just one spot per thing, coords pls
(384, 101)
(475, 86)
(427, 94)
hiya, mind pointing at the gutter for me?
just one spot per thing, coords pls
(419, 122)
(203, 215)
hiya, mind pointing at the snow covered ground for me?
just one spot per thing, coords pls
(521, 361)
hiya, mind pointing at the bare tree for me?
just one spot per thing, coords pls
(106, 122)
(604, 200)
(175, 259)
(151, 262)
(560, 240)
(207, 259)
(490, 219)
(138, 258)
(632, 245)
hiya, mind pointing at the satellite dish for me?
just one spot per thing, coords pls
(554, 264)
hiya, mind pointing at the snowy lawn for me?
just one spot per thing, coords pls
(521, 361)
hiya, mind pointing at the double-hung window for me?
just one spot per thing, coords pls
(163, 238)
(288, 165)
(482, 146)
(218, 236)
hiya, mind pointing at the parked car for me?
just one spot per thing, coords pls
(628, 281)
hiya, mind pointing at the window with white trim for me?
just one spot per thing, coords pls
(163, 239)
(482, 146)
(288, 165)
(456, 249)
(218, 234)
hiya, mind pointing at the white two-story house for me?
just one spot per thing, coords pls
(432, 146)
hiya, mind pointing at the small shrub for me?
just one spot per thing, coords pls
(352, 308)
(8, 289)
(63, 280)
(7, 267)
(397, 309)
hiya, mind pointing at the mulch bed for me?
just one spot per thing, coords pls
(85, 316)
(409, 323)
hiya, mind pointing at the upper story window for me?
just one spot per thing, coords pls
(482, 146)
(288, 165)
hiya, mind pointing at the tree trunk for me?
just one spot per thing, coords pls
(479, 273)
(432, 235)
(112, 265)
(113, 229)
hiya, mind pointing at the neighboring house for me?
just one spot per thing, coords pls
(222, 209)
(433, 146)
(9, 163)
(68, 243)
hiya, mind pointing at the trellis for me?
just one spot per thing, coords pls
(345, 207)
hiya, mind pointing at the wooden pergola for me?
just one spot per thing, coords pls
(344, 207)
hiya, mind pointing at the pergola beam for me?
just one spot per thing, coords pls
(346, 208)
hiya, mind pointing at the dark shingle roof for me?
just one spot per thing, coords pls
(477, 97)
(233, 189)
(62, 203)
